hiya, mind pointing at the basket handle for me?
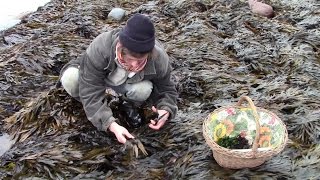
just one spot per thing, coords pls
(256, 118)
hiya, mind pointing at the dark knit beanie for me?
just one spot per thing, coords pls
(138, 35)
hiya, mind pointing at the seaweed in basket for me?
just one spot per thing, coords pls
(237, 142)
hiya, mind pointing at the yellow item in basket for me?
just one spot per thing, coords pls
(219, 131)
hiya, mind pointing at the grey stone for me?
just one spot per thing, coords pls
(117, 14)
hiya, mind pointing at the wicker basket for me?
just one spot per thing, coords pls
(244, 158)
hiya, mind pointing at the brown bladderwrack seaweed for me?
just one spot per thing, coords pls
(219, 52)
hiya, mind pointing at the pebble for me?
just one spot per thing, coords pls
(261, 8)
(117, 14)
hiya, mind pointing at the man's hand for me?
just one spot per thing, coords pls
(120, 132)
(163, 117)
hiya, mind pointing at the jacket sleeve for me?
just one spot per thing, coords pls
(92, 82)
(92, 94)
(164, 91)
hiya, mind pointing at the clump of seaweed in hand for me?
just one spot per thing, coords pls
(237, 142)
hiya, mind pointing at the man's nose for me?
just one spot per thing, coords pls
(134, 63)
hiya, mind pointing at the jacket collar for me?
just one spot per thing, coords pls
(111, 63)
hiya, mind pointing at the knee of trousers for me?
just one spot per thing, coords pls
(70, 81)
(139, 91)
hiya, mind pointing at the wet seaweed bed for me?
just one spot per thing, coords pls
(219, 50)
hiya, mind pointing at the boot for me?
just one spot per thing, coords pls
(132, 115)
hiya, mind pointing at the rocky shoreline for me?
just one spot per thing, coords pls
(219, 50)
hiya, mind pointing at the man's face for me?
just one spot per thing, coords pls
(132, 63)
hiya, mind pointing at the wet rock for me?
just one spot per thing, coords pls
(117, 14)
(261, 8)
(13, 39)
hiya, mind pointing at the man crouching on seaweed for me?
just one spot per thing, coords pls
(133, 64)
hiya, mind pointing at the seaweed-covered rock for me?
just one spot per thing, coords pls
(219, 51)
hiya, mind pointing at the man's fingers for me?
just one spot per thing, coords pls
(153, 122)
(154, 109)
(122, 139)
(128, 135)
(153, 127)
(164, 117)
(157, 126)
